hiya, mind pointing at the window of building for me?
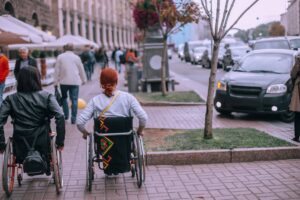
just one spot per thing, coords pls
(35, 20)
(9, 9)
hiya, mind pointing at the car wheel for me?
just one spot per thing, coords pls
(287, 117)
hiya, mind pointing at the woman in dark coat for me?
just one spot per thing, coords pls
(31, 110)
(295, 101)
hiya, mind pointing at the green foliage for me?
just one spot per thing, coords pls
(261, 30)
(186, 96)
(223, 139)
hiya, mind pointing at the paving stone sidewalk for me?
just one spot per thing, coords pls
(257, 180)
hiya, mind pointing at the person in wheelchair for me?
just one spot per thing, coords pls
(31, 109)
(112, 111)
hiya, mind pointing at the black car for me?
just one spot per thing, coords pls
(260, 83)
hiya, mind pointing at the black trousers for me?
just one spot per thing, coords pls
(297, 125)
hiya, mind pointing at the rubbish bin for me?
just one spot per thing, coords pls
(132, 79)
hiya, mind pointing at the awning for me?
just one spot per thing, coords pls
(33, 30)
(7, 38)
(77, 41)
(14, 31)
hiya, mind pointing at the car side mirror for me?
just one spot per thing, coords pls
(295, 49)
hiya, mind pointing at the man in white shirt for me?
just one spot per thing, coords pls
(69, 74)
(118, 61)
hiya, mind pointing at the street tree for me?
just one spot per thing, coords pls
(169, 16)
(217, 14)
(276, 29)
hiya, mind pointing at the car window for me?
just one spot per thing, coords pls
(278, 44)
(295, 43)
(267, 62)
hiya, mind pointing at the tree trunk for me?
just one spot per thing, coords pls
(208, 134)
(163, 68)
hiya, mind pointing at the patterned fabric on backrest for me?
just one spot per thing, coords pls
(115, 150)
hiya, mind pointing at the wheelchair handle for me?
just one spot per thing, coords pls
(113, 134)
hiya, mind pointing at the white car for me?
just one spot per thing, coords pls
(197, 54)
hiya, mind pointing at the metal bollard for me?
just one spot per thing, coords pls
(132, 79)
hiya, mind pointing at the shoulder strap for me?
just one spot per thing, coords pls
(110, 104)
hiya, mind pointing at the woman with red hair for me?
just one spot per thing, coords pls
(124, 104)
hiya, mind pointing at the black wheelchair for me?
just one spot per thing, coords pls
(115, 148)
(12, 169)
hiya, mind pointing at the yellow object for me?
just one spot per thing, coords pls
(81, 104)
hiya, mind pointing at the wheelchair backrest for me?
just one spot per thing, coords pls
(113, 124)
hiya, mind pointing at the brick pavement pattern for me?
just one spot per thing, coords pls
(258, 180)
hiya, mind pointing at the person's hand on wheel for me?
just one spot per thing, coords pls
(140, 133)
(84, 135)
(60, 148)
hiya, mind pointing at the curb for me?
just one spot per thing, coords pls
(164, 103)
(222, 156)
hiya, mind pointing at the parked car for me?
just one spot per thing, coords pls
(181, 51)
(207, 55)
(197, 54)
(188, 49)
(294, 42)
(272, 43)
(236, 54)
(170, 52)
(260, 83)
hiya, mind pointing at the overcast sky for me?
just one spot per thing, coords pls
(264, 11)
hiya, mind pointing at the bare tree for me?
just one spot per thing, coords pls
(217, 15)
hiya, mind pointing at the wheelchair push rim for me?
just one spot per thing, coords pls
(89, 161)
(139, 160)
(9, 169)
(57, 166)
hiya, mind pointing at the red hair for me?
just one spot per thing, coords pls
(108, 76)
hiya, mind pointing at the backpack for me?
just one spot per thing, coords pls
(33, 163)
(85, 57)
(122, 59)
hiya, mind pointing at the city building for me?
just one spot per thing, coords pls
(34, 12)
(106, 22)
(109, 23)
(291, 19)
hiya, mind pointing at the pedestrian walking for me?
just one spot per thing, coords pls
(101, 58)
(24, 60)
(4, 71)
(69, 74)
(43, 65)
(87, 60)
(118, 55)
(31, 110)
(295, 101)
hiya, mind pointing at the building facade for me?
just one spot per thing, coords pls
(109, 23)
(291, 19)
(34, 12)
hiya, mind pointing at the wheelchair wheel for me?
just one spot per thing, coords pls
(90, 169)
(9, 169)
(57, 166)
(139, 160)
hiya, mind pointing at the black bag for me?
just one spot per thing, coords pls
(122, 59)
(33, 163)
(58, 97)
